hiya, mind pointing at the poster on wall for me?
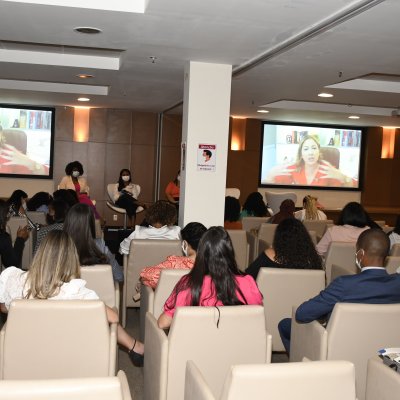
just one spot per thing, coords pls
(206, 157)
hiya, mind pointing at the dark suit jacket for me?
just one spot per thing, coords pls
(374, 286)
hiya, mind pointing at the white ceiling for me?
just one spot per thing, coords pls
(298, 46)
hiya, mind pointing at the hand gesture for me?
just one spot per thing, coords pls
(279, 170)
(330, 172)
(15, 157)
(23, 232)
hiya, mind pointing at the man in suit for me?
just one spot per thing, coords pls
(372, 285)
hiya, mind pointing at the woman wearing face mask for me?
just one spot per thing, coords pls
(74, 180)
(191, 235)
(172, 190)
(125, 193)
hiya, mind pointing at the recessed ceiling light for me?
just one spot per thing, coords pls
(84, 76)
(354, 117)
(83, 99)
(325, 95)
(88, 30)
(263, 111)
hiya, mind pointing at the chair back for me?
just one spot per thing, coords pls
(357, 331)
(300, 381)
(395, 250)
(106, 388)
(55, 339)
(240, 246)
(110, 191)
(16, 138)
(338, 270)
(267, 233)
(392, 263)
(38, 217)
(331, 154)
(342, 254)
(214, 338)
(250, 223)
(319, 226)
(283, 288)
(383, 383)
(100, 279)
(274, 199)
(232, 192)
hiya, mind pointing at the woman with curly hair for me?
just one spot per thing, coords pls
(215, 279)
(254, 206)
(161, 218)
(292, 248)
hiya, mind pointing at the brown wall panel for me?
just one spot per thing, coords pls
(98, 125)
(144, 128)
(119, 126)
(64, 126)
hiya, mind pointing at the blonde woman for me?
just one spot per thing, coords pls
(310, 210)
(55, 275)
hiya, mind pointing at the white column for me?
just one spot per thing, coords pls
(206, 106)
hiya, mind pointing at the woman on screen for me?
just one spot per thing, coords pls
(13, 161)
(310, 169)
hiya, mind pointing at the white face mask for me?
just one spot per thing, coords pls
(75, 174)
(185, 248)
(126, 178)
(358, 262)
(24, 206)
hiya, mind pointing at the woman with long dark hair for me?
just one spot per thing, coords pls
(80, 224)
(254, 206)
(292, 247)
(215, 279)
(17, 202)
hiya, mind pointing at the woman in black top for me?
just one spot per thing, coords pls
(11, 256)
(292, 248)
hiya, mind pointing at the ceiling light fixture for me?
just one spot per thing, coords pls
(87, 30)
(354, 117)
(263, 111)
(85, 76)
(325, 94)
(83, 99)
(153, 59)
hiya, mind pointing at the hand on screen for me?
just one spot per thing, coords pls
(15, 157)
(329, 171)
(279, 170)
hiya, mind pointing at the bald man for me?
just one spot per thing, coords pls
(373, 285)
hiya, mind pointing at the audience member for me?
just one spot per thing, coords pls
(286, 210)
(172, 191)
(75, 181)
(55, 274)
(191, 235)
(215, 279)
(373, 285)
(352, 221)
(310, 210)
(254, 206)
(394, 235)
(17, 203)
(125, 194)
(55, 219)
(292, 248)
(161, 217)
(80, 225)
(11, 256)
(39, 202)
(232, 213)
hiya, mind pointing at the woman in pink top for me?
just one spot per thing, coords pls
(215, 279)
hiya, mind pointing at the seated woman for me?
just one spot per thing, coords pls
(309, 169)
(394, 235)
(286, 210)
(11, 255)
(310, 210)
(191, 235)
(254, 206)
(172, 191)
(39, 202)
(352, 221)
(17, 203)
(79, 224)
(215, 279)
(55, 274)
(232, 213)
(74, 180)
(125, 193)
(161, 217)
(292, 247)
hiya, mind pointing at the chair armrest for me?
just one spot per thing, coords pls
(196, 387)
(2, 337)
(126, 393)
(146, 305)
(155, 369)
(124, 290)
(113, 349)
(262, 246)
(307, 340)
(117, 296)
(268, 355)
(252, 241)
